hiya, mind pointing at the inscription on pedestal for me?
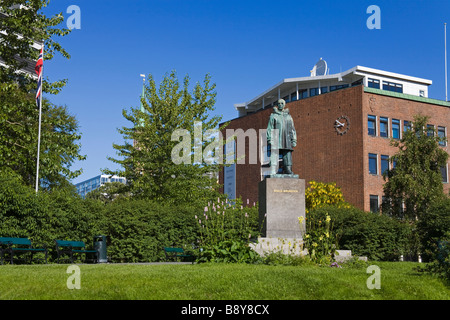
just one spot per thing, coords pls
(281, 203)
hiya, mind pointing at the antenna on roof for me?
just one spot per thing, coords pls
(319, 69)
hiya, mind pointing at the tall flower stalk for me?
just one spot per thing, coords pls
(223, 220)
(319, 239)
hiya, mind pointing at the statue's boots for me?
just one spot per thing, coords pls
(288, 170)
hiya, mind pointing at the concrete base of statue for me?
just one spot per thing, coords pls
(281, 203)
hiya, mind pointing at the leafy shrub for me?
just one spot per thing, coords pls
(319, 239)
(432, 227)
(225, 221)
(378, 237)
(320, 194)
(229, 251)
(46, 216)
(138, 230)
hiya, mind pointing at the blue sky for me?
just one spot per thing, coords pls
(246, 46)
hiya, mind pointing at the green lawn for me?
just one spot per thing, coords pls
(399, 281)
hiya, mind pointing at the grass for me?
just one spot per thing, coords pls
(399, 281)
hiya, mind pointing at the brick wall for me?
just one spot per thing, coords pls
(393, 108)
(324, 155)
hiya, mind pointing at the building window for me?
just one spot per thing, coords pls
(384, 164)
(406, 125)
(391, 86)
(444, 174)
(395, 128)
(374, 203)
(371, 124)
(302, 94)
(442, 135)
(313, 92)
(421, 93)
(294, 96)
(373, 163)
(384, 127)
(342, 86)
(373, 83)
(430, 130)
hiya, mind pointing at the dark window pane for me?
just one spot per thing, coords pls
(371, 123)
(373, 163)
(395, 129)
(374, 203)
(384, 163)
(441, 134)
(383, 127)
(444, 174)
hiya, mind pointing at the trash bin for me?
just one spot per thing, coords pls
(100, 246)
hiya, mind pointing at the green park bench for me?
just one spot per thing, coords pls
(177, 253)
(14, 246)
(67, 250)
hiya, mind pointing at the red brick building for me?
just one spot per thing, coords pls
(353, 154)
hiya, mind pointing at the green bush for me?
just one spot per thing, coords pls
(229, 251)
(46, 216)
(222, 220)
(432, 228)
(376, 236)
(225, 229)
(320, 238)
(138, 230)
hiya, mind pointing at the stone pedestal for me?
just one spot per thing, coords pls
(281, 203)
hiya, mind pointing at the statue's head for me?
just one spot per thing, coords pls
(281, 103)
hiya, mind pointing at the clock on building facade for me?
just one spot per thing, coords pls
(342, 125)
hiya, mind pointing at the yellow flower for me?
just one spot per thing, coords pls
(314, 244)
(327, 234)
(301, 219)
(328, 218)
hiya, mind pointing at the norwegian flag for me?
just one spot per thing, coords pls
(39, 67)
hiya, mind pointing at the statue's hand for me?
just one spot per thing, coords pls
(294, 144)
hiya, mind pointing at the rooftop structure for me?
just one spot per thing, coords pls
(293, 89)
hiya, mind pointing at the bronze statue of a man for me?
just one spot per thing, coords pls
(282, 122)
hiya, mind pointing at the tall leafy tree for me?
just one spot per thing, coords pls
(416, 181)
(23, 26)
(23, 29)
(146, 156)
(18, 138)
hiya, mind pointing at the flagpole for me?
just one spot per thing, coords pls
(39, 131)
(445, 45)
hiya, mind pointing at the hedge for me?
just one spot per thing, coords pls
(136, 230)
(376, 236)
